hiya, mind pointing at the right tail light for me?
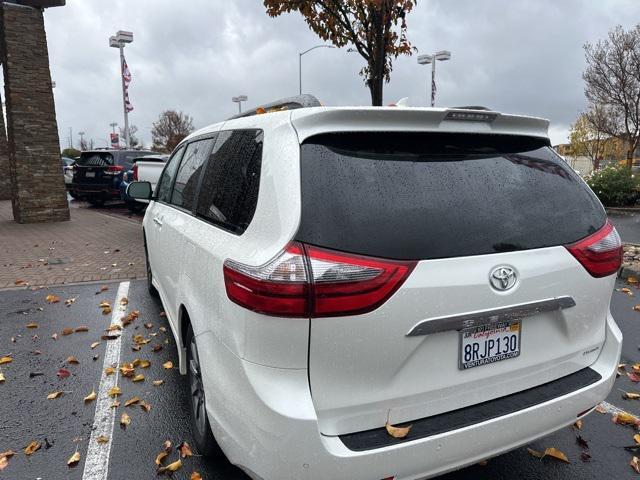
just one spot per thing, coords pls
(309, 282)
(600, 253)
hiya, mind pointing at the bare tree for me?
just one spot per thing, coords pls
(134, 141)
(588, 135)
(169, 130)
(377, 29)
(613, 81)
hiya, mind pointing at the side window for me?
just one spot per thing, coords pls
(186, 184)
(163, 189)
(229, 191)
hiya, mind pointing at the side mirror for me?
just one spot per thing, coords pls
(139, 190)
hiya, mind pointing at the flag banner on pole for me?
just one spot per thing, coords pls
(127, 103)
(433, 91)
(126, 75)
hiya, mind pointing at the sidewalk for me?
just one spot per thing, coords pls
(91, 247)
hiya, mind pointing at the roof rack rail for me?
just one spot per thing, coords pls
(473, 107)
(289, 103)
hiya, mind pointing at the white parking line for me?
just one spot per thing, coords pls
(96, 466)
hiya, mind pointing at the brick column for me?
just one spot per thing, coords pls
(5, 179)
(39, 193)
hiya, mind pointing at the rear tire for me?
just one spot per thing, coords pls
(200, 427)
(153, 291)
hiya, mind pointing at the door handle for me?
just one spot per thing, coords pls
(157, 222)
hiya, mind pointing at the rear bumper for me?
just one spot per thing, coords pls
(280, 439)
(89, 190)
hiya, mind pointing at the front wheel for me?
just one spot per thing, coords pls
(200, 427)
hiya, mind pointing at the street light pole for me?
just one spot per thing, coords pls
(442, 55)
(119, 40)
(300, 54)
(239, 99)
(113, 126)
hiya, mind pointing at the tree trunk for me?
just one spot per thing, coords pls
(375, 87)
(630, 158)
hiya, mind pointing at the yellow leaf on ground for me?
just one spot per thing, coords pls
(630, 395)
(397, 432)
(106, 310)
(172, 467)
(52, 299)
(32, 325)
(132, 401)
(74, 459)
(2, 379)
(601, 409)
(4, 360)
(91, 397)
(54, 395)
(636, 437)
(168, 365)
(195, 476)
(94, 345)
(124, 301)
(73, 360)
(185, 450)
(635, 464)
(31, 448)
(627, 291)
(125, 419)
(115, 404)
(102, 439)
(549, 452)
(67, 331)
(109, 371)
(144, 363)
(624, 418)
(127, 370)
(578, 424)
(138, 378)
(637, 308)
(82, 328)
(161, 456)
(632, 280)
(3, 463)
(157, 383)
(114, 392)
(7, 454)
(145, 406)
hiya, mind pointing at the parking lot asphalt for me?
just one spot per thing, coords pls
(64, 425)
(627, 224)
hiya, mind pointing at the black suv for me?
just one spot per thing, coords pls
(98, 174)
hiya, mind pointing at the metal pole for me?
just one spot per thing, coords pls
(433, 81)
(124, 98)
(240, 106)
(300, 73)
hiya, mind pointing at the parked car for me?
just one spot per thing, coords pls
(331, 272)
(147, 168)
(98, 173)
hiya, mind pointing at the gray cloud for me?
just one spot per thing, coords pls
(518, 56)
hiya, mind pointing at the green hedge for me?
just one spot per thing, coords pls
(615, 186)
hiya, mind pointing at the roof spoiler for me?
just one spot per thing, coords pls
(289, 103)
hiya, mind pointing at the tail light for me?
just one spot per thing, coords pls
(114, 169)
(307, 281)
(135, 172)
(600, 253)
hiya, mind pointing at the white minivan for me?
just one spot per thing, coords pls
(330, 271)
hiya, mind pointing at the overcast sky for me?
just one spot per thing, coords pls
(194, 55)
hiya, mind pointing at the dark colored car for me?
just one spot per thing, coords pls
(132, 176)
(98, 174)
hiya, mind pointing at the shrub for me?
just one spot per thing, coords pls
(614, 185)
(71, 153)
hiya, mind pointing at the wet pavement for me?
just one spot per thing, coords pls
(627, 224)
(64, 425)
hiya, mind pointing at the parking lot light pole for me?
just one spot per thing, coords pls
(239, 99)
(119, 40)
(432, 59)
(300, 54)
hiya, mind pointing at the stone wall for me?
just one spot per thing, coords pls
(5, 179)
(39, 193)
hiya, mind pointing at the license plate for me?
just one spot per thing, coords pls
(489, 343)
(90, 174)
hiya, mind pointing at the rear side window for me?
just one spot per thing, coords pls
(163, 189)
(186, 184)
(229, 191)
(434, 195)
(95, 159)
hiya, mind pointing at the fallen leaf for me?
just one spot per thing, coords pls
(32, 447)
(54, 395)
(132, 401)
(630, 395)
(7, 454)
(397, 432)
(585, 456)
(4, 462)
(140, 340)
(627, 291)
(2, 379)
(102, 439)
(69, 301)
(156, 348)
(138, 378)
(94, 345)
(82, 328)
(195, 476)
(166, 445)
(109, 371)
(636, 308)
(168, 365)
(632, 280)
(67, 331)
(172, 467)
(550, 452)
(72, 360)
(63, 373)
(54, 336)
(104, 304)
(624, 418)
(135, 348)
(636, 437)
(633, 377)
(115, 404)
(4, 360)
(148, 325)
(125, 419)
(635, 464)
(74, 459)
(578, 424)
(124, 301)
(21, 282)
(600, 409)
(141, 363)
(113, 328)
(106, 310)
(582, 442)
(91, 397)
(185, 450)
(161, 456)
(145, 406)
(163, 314)
(111, 336)
(103, 288)
(127, 370)
(157, 383)
(52, 299)
(32, 325)
(114, 392)
(163, 329)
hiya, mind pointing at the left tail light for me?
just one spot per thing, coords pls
(306, 281)
(114, 169)
(135, 172)
(600, 253)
